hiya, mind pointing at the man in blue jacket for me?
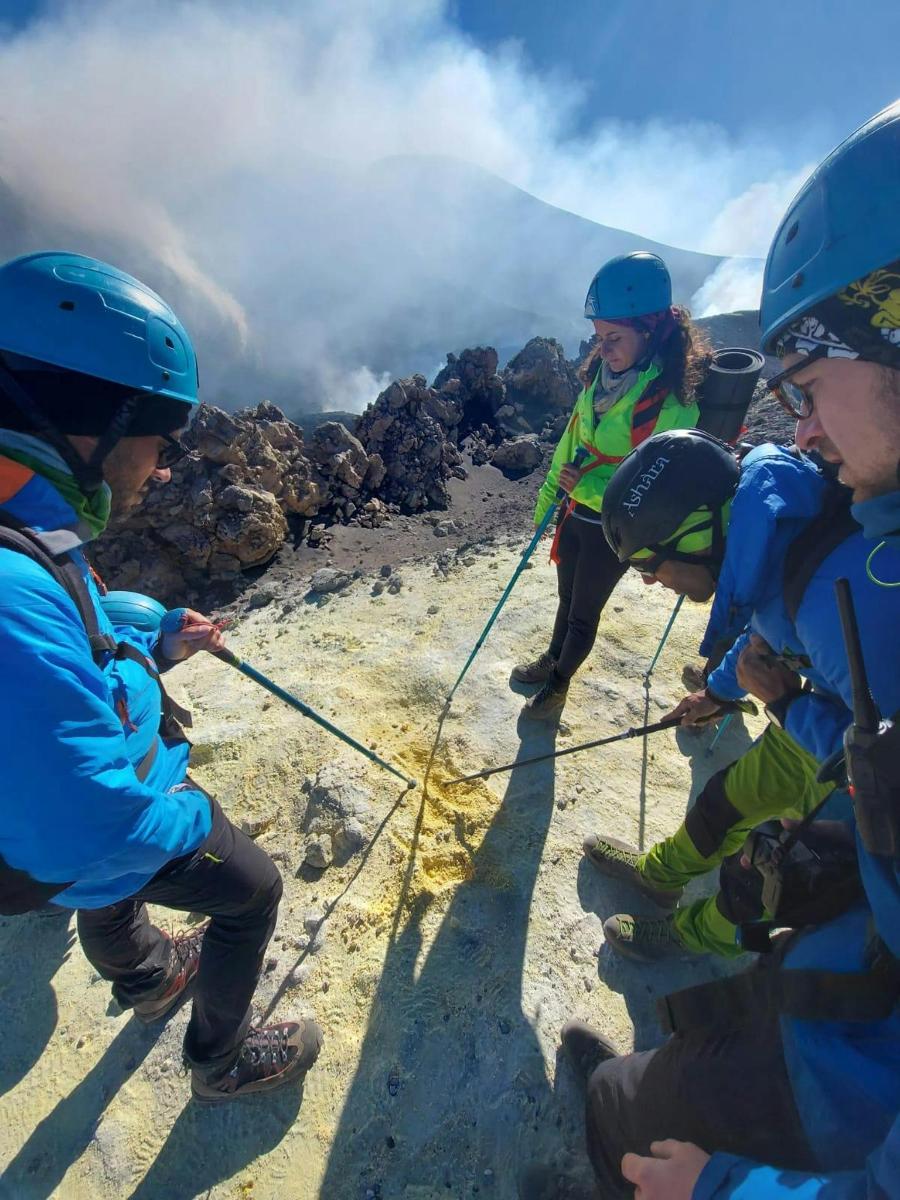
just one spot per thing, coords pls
(772, 569)
(97, 813)
(829, 309)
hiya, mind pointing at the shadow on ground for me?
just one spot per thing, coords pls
(465, 1100)
(642, 984)
(32, 949)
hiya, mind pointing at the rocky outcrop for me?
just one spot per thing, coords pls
(540, 385)
(411, 429)
(228, 505)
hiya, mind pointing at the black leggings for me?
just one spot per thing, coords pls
(586, 575)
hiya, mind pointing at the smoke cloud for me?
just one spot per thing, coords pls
(319, 188)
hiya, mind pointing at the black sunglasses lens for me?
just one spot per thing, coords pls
(171, 453)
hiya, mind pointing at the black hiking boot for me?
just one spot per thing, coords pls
(548, 703)
(269, 1058)
(534, 672)
(645, 939)
(585, 1048)
(620, 861)
(184, 952)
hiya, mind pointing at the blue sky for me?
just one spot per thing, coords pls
(772, 66)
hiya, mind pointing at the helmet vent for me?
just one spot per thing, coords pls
(166, 376)
(170, 343)
(792, 232)
(67, 305)
(797, 281)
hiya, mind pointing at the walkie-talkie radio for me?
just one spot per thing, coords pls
(871, 747)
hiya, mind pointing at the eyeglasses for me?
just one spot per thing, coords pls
(792, 397)
(647, 566)
(173, 452)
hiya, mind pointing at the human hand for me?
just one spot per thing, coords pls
(195, 632)
(670, 1174)
(569, 478)
(696, 709)
(761, 674)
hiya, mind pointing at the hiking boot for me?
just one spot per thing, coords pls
(647, 939)
(585, 1048)
(184, 952)
(534, 672)
(620, 861)
(548, 703)
(269, 1058)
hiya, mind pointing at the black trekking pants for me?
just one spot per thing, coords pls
(586, 575)
(228, 878)
(724, 1090)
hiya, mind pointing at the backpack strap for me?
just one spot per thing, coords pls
(18, 537)
(804, 995)
(814, 543)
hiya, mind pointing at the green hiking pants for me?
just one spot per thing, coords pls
(775, 778)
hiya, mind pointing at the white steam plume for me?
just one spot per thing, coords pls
(270, 167)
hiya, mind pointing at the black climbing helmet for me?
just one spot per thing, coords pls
(668, 497)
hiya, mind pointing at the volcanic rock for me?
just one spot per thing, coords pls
(518, 456)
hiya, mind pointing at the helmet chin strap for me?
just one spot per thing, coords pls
(88, 473)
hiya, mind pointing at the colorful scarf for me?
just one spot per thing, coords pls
(41, 458)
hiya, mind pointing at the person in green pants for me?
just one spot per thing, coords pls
(775, 778)
(765, 538)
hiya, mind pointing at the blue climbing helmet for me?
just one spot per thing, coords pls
(631, 285)
(839, 246)
(86, 349)
(83, 315)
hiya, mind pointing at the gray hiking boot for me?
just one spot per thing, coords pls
(548, 703)
(585, 1048)
(534, 672)
(620, 861)
(646, 939)
(269, 1058)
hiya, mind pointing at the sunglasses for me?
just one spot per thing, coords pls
(172, 452)
(791, 396)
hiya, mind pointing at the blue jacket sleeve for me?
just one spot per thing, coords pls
(726, 1177)
(722, 681)
(72, 807)
(817, 723)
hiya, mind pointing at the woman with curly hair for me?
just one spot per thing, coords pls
(640, 378)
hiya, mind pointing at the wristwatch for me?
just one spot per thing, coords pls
(777, 710)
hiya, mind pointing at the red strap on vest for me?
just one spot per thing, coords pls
(561, 520)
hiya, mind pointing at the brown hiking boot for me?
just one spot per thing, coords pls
(620, 861)
(185, 962)
(548, 703)
(534, 672)
(269, 1058)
